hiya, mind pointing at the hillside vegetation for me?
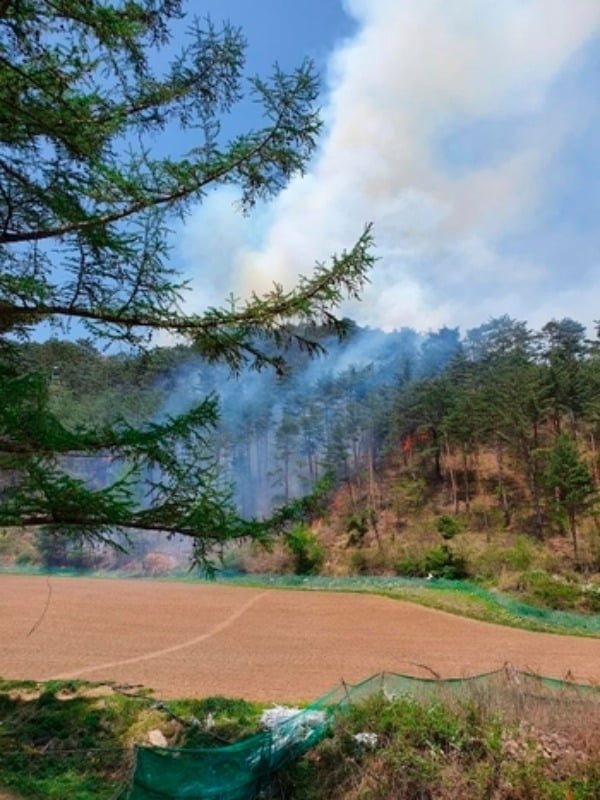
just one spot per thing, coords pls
(435, 455)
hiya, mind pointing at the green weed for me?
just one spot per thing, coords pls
(441, 748)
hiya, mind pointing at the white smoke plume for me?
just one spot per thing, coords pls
(442, 125)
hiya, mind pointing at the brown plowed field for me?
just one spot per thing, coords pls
(196, 639)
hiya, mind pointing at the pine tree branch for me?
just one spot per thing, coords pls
(65, 112)
(169, 198)
(256, 313)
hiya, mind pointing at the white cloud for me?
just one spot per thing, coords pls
(415, 69)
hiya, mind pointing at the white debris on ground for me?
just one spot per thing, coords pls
(209, 722)
(271, 717)
(366, 739)
(157, 738)
(290, 725)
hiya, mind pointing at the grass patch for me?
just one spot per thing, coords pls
(73, 739)
(474, 603)
(475, 746)
(57, 743)
(214, 721)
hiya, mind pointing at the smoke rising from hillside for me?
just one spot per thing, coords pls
(278, 435)
(444, 121)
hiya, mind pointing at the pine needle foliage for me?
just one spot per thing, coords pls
(87, 196)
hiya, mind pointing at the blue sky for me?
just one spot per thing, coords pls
(283, 31)
(466, 131)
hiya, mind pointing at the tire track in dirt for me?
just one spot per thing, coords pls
(226, 623)
(188, 640)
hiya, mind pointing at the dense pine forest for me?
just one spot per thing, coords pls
(413, 440)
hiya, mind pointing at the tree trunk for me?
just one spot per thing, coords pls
(535, 499)
(479, 490)
(573, 526)
(453, 485)
(437, 455)
(466, 482)
(594, 450)
(373, 499)
(502, 485)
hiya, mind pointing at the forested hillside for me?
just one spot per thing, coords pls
(489, 439)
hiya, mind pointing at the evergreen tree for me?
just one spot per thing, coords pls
(85, 207)
(564, 351)
(514, 407)
(432, 402)
(438, 350)
(570, 483)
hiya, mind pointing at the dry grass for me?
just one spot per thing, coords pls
(511, 738)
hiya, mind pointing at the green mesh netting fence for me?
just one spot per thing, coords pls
(243, 770)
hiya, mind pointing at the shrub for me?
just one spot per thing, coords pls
(368, 561)
(441, 562)
(493, 561)
(410, 567)
(306, 550)
(542, 589)
(591, 598)
(519, 557)
(358, 525)
(447, 526)
(409, 496)
(359, 563)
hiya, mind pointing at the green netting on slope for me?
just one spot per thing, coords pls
(564, 620)
(240, 771)
(234, 772)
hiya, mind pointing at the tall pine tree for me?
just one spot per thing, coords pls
(85, 204)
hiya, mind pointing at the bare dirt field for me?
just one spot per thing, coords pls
(196, 639)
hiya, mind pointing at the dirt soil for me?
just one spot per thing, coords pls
(193, 640)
